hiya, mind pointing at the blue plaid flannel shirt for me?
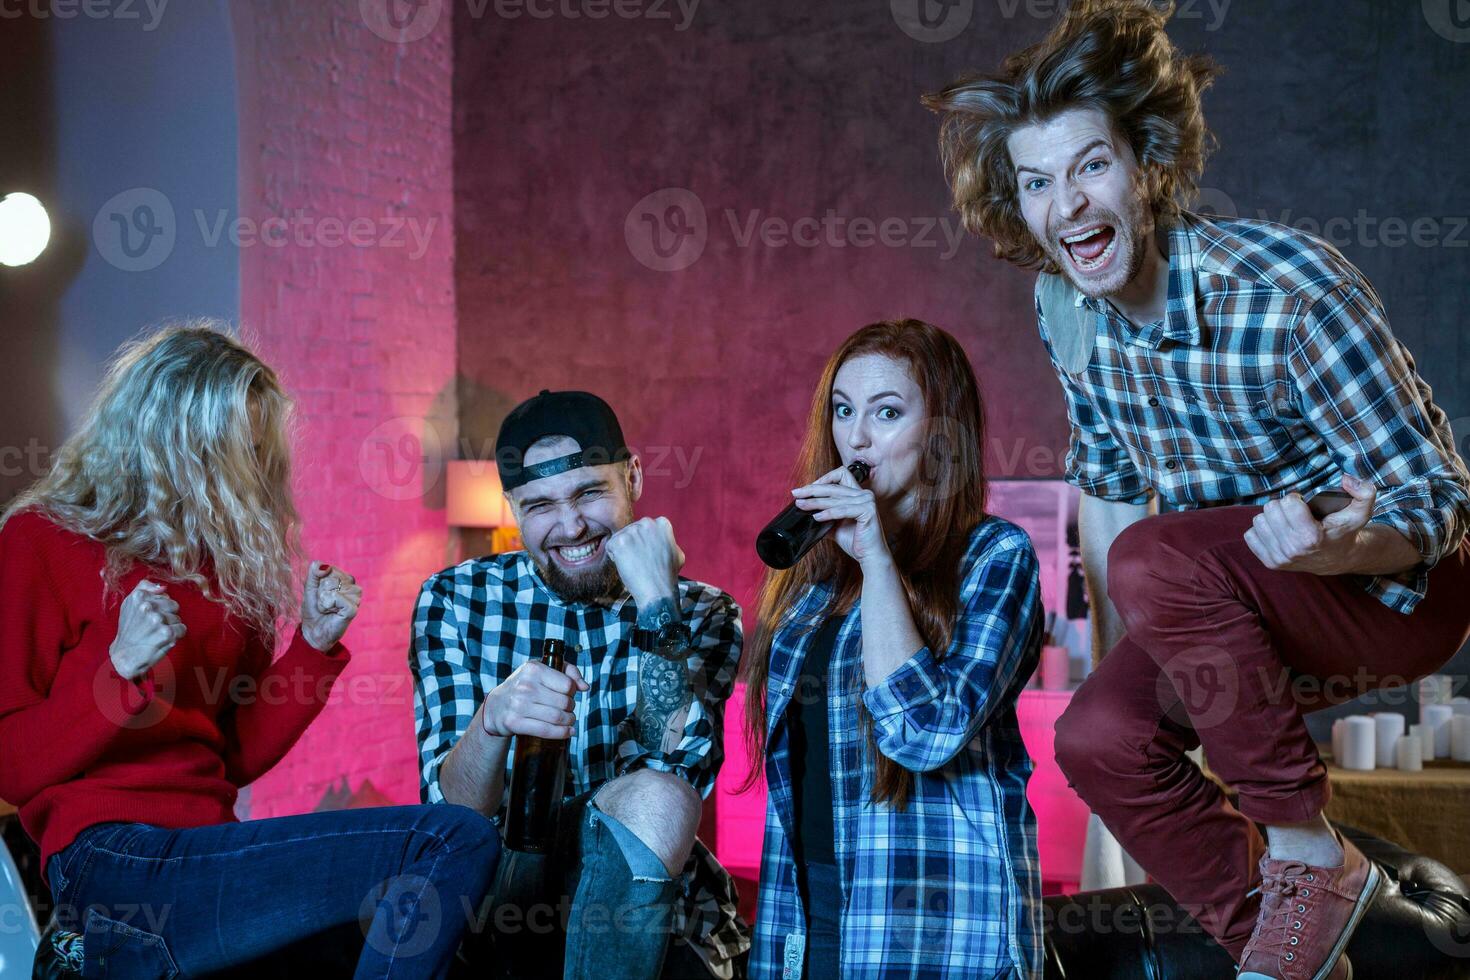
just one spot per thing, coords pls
(950, 886)
(1273, 371)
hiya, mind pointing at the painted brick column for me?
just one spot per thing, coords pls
(347, 284)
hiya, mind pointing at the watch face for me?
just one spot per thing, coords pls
(666, 639)
(673, 636)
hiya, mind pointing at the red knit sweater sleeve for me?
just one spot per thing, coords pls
(277, 704)
(62, 705)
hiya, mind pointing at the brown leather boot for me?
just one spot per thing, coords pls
(1307, 916)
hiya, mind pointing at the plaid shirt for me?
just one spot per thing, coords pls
(1272, 371)
(481, 619)
(949, 886)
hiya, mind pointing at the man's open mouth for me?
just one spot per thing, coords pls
(576, 555)
(1092, 247)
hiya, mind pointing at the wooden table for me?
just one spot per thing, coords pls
(1425, 812)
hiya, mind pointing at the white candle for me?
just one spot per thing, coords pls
(1360, 743)
(1408, 754)
(1435, 689)
(1426, 740)
(1437, 717)
(1338, 727)
(1460, 706)
(1460, 738)
(1390, 725)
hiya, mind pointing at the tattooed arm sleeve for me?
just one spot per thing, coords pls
(678, 726)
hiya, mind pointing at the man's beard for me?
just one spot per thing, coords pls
(1128, 228)
(592, 585)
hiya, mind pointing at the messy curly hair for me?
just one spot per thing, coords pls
(1109, 55)
(183, 464)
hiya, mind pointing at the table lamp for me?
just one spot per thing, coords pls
(474, 499)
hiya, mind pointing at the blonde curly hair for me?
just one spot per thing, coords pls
(183, 463)
(1109, 55)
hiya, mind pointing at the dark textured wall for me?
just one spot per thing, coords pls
(774, 110)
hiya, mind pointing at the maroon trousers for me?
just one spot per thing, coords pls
(1224, 652)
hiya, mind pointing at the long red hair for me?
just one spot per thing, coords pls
(950, 502)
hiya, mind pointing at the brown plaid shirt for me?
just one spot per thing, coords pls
(1272, 371)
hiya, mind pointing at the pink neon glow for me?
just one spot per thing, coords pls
(1061, 817)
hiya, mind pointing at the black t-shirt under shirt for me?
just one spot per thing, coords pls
(811, 760)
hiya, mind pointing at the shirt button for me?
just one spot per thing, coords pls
(1171, 465)
(1153, 403)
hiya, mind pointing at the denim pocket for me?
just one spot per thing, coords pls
(56, 879)
(66, 864)
(61, 869)
(116, 949)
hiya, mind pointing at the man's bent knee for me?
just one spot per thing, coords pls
(1148, 562)
(662, 810)
(1133, 563)
(1090, 750)
(1076, 742)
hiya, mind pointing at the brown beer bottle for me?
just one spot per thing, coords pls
(537, 778)
(793, 532)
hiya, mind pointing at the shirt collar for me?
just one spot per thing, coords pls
(817, 596)
(1181, 318)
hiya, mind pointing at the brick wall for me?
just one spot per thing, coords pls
(344, 141)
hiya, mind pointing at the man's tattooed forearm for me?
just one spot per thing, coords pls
(663, 692)
(659, 612)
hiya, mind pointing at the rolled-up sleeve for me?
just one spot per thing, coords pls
(446, 692)
(1361, 392)
(714, 621)
(931, 707)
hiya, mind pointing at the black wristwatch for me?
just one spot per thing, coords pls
(668, 639)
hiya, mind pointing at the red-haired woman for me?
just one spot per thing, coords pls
(882, 687)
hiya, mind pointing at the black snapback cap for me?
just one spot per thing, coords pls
(578, 415)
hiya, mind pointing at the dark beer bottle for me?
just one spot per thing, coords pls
(537, 778)
(792, 532)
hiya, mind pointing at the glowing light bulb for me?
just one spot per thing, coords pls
(24, 229)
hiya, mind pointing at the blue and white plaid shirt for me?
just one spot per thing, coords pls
(949, 886)
(1272, 371)
(477, 622)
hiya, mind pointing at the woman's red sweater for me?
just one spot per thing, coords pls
(81, 745)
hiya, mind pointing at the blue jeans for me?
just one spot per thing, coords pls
(599, 906)
(158, 903)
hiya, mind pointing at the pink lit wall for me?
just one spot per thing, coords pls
(766, 117)
(795, 129)
(337, 123)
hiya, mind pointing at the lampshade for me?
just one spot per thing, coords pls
(474, 497)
